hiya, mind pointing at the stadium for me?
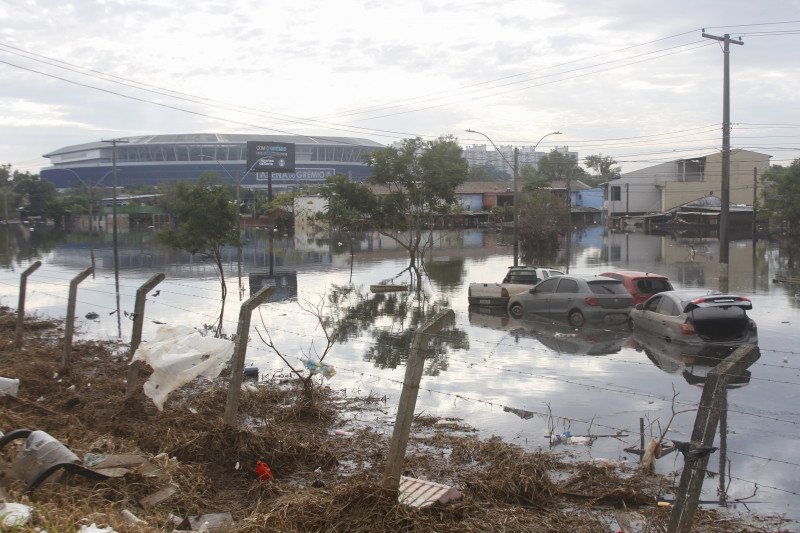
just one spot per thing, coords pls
(157, 159)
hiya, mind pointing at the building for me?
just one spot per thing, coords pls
(662, 187)
(156, 159)
(487, 156)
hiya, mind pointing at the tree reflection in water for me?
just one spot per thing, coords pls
(391, 319)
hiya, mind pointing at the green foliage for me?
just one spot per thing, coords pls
(783, 198)
(559, 166)
(204, 217)
(416, 181)
(531, 180)
(542, 217)
(487, 173)
(605, 166)
(24, 189)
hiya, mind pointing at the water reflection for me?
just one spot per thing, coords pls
(691, 362)
(390, 320)
(553, 334)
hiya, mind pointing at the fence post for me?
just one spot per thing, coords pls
(70, 325)
(408, 396)
(136, 334)
(705, 427)
(23, 283)
(237, 361)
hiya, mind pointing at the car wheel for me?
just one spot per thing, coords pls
(630, 324)
(516, 310)
(576, 318)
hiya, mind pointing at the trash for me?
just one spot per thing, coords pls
(251, 372)
(568, 438)
(92, 459)
(664, 504)
(422, 493)
(71, 388)
(13, 515)
(452, 424)
(318, 484)
(159, 496)
(237, 466)
(39, 452)
(122, 464)
(131, 518)
(91, 315)
(9, 386)
(212, 523)
(94, 528)
(343, 433)
(263, 471)
(522, 413)
(318, 367)
(178, 354)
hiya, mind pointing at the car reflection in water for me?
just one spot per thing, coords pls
(691, 362)
(555, 335)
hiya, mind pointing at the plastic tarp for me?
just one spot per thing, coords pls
(178, 355)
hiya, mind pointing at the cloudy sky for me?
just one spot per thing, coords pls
(626, 78)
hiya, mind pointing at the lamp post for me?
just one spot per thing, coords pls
(514, 168)
(114, 143)
(91, 189)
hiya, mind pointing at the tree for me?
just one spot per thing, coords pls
(783, 200)
(487, 173)
(605, 166)
(531, 180)
(203, 221)
(417, 179)
(559, 166)
(542, 217)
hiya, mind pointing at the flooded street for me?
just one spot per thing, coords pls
(508, 377)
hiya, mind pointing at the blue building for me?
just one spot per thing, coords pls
(156, 159)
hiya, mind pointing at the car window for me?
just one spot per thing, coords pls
(606, 286)
(548, 285)
(668, 307)
(567, 285)
(652, 285)
(652, 303)
(545, 274)
(556, 273)
(521, 276)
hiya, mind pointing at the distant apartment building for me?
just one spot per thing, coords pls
(486, 156)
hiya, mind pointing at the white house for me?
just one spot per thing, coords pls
(661, 187)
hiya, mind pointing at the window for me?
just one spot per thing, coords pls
(608, 287)
(567, 285)
(668, 307)
(652, 285)
(616, 193)
(547, 285)
(652, 303)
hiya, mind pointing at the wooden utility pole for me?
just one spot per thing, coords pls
(725, 196)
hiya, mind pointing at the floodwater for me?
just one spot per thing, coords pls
(506, 377)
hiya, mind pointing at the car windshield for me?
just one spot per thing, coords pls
(521, 277)
(607, 287)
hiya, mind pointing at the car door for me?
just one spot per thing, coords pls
(541, 296)
(563, 298)
(669, 323)
(650, 320)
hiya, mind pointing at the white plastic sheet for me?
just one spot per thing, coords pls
(9, 386)
(177, 355)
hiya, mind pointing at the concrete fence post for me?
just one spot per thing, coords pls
(23, 284)
(239, 352)
(408, 396)
(70, 324)
(136, 333)
(705, 427)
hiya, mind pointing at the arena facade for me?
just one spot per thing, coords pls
(157, 159)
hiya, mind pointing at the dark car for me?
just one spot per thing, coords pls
(641, 285)
(696, 317)
(576, 299)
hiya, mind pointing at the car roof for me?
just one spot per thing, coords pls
(635, 274)
(590, 277)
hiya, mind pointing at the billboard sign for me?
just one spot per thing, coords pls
(267, 156)
(316, 175)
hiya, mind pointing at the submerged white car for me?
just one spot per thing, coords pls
(518, 279)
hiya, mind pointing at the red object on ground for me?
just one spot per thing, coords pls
(263, 471)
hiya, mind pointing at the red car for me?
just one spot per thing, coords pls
(641, 285)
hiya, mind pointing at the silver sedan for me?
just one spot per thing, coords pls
(696, 317)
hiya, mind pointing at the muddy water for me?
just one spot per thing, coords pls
(513, 378)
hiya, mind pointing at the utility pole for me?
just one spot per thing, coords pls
(726, 157)
(115, 244)
(516, 230)
(755, 203)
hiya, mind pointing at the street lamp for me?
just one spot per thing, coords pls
(514, 169)
(91, 193)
